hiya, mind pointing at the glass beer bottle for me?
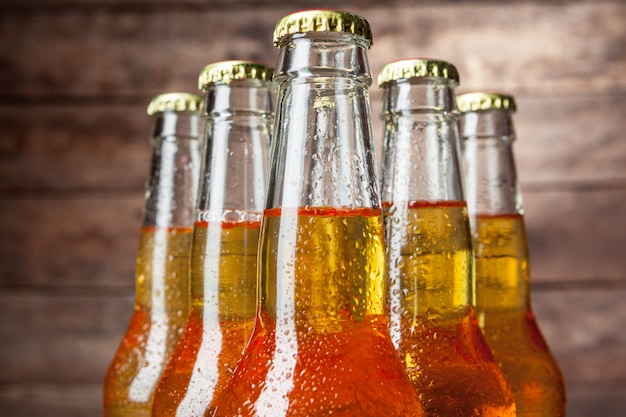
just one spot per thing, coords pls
(238, 106)
(502, 263)
(429, 256)
(162, 289)
(320, 345)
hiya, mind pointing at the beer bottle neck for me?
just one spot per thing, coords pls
(174, 172)
(496, 214)
(421, 160)
(323, 153)
(317, 55)
(491, 179)
(239, 126)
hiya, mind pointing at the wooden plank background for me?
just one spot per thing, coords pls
(75, 79)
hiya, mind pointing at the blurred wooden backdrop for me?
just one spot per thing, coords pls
(75, 79)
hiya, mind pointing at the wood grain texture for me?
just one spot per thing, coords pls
(238, 4)
(75, 339)
(74, 147)
(83, 400)
(535, 49)
(92, 241)
(75, 78)
(561, 143)
(572, 142)
(68, 242)
(580, 328)
(61, 338)
(577, 235)
(597, 402)
(50, 400)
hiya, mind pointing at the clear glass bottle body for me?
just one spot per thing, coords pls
(502, 265)
(224, 249)
(429, 255)
(162, 290)
(320, 344)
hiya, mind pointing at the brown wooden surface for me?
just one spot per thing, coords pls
(76, 338)
(89, 326)
(67, 242)
(107, 146)
(577, 236)
(90, 241)
(98, 52)
(75, 78)
(69, 147)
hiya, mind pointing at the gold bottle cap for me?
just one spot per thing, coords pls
(414, 68)
(227, 71)
(174, 102)
(485, 101)
(322, 21)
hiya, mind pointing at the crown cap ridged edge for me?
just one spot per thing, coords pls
(477, 101)
(322, 21)
(178, 102)
(417, 68)
(228, 71)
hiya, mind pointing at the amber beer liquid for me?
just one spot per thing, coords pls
(320, 344)
(512, 332)
(338, 337)
(201, 365)
(156, 324)
(433, 325)
(430, 265)
(238, 105)
(161, 279)
(502, 263)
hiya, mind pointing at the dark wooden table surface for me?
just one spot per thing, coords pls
(75, 79)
